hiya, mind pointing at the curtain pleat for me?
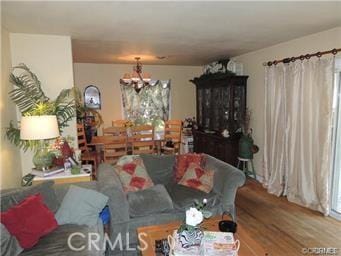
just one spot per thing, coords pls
(298, 118)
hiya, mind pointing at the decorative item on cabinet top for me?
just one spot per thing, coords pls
(224, 66)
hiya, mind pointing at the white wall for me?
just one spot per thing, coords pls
(10, 167)
(50, 58)
(253, 67)
(106, 77)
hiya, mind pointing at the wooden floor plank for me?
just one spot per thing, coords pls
(282, 227)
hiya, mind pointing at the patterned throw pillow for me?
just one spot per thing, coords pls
(133, 174)
(183, 161)
(198, 178)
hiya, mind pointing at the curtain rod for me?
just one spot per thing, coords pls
(301, 57)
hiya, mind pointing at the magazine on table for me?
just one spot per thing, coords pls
(212, 244)
(47, 172)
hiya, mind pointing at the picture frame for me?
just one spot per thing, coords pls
(92, 97)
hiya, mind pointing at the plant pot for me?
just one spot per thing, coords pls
(245, 147)
(42, 159)
(191, 237)
(75, 170)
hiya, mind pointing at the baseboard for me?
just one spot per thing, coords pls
(260, 178)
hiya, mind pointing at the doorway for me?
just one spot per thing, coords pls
(336, 167)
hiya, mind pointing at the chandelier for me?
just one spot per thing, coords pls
(137, 79)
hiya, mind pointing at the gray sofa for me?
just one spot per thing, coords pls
(126, 214)
(54, 243)
(227, 179)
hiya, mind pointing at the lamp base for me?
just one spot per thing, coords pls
(42, 159)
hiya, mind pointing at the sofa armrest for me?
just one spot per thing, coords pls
(107, 175)
(109, 184)
(227, 179)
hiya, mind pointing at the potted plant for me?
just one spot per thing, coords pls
(190, 232)
(246, 140)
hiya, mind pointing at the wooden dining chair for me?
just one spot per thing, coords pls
(115, 130)
(118, 123)
(87, 156)
(113, 147)
(143, 139)
(173, 129)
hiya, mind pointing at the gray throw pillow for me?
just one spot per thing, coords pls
(81, 206)
(148, 201)
(9, 244)
(15, 196)
(159, 168)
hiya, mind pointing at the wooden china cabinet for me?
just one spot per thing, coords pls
(221, 104)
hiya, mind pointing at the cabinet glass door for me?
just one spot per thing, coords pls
(238, 106)
(207, 108)
(217, 108)
(225, 107)
(200, 107)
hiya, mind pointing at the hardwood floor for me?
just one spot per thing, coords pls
(284, 228)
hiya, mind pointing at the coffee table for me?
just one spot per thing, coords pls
(248, 246)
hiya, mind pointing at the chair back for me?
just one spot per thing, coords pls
(143, 139)
(115, 131)
(173, 129)
(82, 144)
(113, 147)
(118, 123)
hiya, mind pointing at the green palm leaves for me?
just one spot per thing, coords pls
(31, 100)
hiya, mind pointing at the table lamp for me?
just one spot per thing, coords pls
(40, 128)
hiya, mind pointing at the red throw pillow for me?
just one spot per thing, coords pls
(183, 161)
(198, 178)
(29, 220)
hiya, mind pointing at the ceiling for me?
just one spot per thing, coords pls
(186, 33)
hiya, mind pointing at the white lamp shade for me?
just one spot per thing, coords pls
(39, 127)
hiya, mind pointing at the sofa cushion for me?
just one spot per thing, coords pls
(160, 168)
(198, 178)
(9, 244)
(29, 220)
(56, 243)
(183, 197)
(81, 206)
(133, 173)
(15, 196)
(183, 161)
(149, 201)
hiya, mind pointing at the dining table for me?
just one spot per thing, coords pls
(98, 142)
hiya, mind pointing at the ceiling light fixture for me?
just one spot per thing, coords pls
(137, 79)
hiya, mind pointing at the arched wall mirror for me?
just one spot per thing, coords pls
(92, 97)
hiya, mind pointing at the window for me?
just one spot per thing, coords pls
(149, 106)
(336, 177)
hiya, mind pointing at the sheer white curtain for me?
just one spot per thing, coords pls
(298, 111)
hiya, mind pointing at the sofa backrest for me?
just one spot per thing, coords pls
(159, 168)
(12, 197)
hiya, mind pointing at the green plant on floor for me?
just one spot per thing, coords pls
(31, 100)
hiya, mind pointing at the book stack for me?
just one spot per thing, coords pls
(47, 172)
